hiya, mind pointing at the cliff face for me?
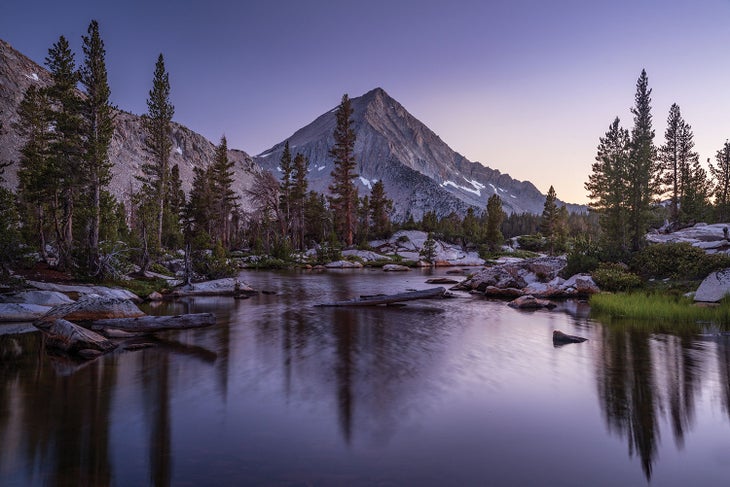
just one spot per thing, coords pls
(126, 152)
(420, 172)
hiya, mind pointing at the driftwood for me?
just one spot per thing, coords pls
(149, 324)
(437, 292)
(71, 338)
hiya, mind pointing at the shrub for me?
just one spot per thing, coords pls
(677, 261)
(615, 277)
(582, 257)
(535, 243)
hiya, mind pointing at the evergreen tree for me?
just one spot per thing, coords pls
(225, 199)
(495, 216)
(174, 211)
(343, 192)
(550, 220)
(66, 146)
(285, 185)
(38, 187)
(721, 174)
(470, 228)
(429, 222)
(199, 209)
(380, 208)
(318, 218)
(680, 173)
(98, 128)
(428, 252)
(158, 128)
(608, 187)
(298, 199)
(642, 167)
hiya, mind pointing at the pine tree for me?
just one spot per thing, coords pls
(721, 175)
(642, 167)
(470, 228)
(66, 147)
(38, 186)
(343, 192)
(224, 196)
(199, 208)
(158, 128)
(380, 208)
(495, 216)
(285, 185)
(550, 219)
(98, 128)
(608, 187)
(298, 199)
(174, 210)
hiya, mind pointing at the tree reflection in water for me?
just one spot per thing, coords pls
(640, 377)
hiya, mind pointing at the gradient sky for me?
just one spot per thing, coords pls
(523, 86)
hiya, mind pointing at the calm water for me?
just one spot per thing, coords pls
(462, 391)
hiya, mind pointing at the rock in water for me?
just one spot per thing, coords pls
(531, 302)
(395, 268)
(70, 338)
(93, 308)
(560, 338)
(715, 287)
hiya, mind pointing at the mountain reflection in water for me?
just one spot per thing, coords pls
(461, 391)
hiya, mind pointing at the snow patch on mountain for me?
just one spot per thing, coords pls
(477, 191)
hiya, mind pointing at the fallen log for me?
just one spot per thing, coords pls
(71, 338)
(155, 323)
(437, 292)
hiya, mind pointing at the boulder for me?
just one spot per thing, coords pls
(14, 312)
(531, 302)
(343, 264)
(43, 298)
(83, 290)
(503, 292)
(229, 286)
(516, 274)
(715, 287)
(155, 296)
(560, 338)
(395, 268)
(365, 255)
(583, 284)
(90, 308)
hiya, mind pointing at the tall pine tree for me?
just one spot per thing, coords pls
(721, 174)
(343, 199)
(550, 221)
(66, 146)
(380, 209)
(224, 198)
(285, 185)
(495, 217)
(299, 199)
(608, 187)
(37, 183)
(98, 128)
(642, 167)
(158, 128)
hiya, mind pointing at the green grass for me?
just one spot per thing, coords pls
(659, 308)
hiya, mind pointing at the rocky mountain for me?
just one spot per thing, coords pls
(420, 172)
(190, 149)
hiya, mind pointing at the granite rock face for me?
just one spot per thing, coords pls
(715, 287)
(126, 152)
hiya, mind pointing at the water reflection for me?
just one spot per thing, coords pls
(459, 391)
(644, 378)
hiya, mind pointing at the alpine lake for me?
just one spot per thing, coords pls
(462, 391)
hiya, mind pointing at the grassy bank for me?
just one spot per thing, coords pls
(659, 307)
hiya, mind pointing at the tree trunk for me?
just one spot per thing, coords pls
(436, 292)
(155, 323)
(95, 222)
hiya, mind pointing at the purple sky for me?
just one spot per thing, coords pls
(524, 86)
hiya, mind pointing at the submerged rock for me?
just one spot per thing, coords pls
(560, 338)
(395, 268)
